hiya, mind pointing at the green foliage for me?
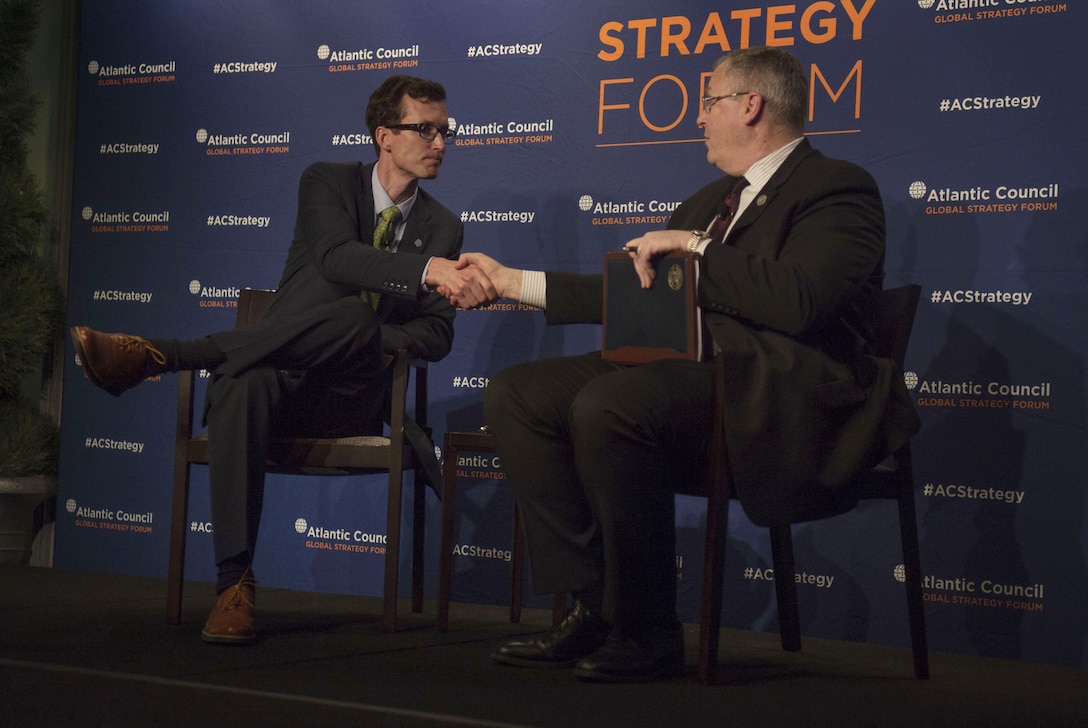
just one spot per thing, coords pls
(31, 301)
(31, 305)
(30, 444)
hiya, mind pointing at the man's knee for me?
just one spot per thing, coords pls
(502, 390)
(592, 412)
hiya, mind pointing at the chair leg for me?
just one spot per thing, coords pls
(713, 578)
(175, 578)
(445, 559)
(517, 568)
(419, 530)
(392, 548)
(912, 566)
(785, 587)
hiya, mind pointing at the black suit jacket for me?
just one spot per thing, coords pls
(790, 299)
(332, 256)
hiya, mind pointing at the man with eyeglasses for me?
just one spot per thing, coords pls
(371, 249)
(792, 245)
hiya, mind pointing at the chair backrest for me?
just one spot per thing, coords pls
(252, 305)
(895, 320)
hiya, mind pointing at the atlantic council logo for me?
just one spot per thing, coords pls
(1001, 198)
(983, 593)
(126, 221)
(966, 11)
(133, 73)
(368, 59)
(500, 132)
(321, 538)
(213, 296)
(251, 142)
(110, 519)
(993, 394)
(627, 212)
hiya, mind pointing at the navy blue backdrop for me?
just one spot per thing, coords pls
(577, 132)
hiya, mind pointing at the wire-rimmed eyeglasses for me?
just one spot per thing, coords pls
(426, 130)
(709, 101)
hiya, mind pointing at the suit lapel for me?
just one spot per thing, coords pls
(364, 203)
(417, 227)
(770, 190)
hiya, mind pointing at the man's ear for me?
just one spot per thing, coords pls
(752, 108)
(381, 137)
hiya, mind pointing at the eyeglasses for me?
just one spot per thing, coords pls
(709, 101)
(426, 130)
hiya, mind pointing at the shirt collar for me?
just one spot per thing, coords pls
(760, 172)
(382, 200)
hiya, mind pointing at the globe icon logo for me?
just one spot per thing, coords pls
(194, 286)
(301, 525)
(585, 203)
(910, 379)
(202, 135)
(925, 4)
(453, 123)
(900, 573)
(70, 505)
(92, 68)
(87, 213)
(917, 190)
(323, 52)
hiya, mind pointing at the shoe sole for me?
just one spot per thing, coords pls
(664, 672)
(215, 639)
(518, 662)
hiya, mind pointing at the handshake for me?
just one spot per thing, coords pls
(475, 279)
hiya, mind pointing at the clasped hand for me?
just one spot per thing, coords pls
(648, 248)
(464, 285)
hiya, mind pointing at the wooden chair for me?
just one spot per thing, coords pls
(325, 456)
(897, 309)
(480, 441)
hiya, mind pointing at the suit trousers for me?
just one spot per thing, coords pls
(595, 453)
(316, 374)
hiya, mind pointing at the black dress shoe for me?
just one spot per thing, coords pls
(649, 654)
(579, 634)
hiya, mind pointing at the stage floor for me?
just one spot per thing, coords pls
(88, 649)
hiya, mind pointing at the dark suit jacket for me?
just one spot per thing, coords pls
(790, 299)
(332, 256)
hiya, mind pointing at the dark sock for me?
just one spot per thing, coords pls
(181, 355)
(232, 570)
(592, 598)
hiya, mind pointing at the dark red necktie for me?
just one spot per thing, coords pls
(727, 209)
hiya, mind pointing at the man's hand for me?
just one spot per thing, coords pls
(464, 286)
(651, 246)
(507, 281)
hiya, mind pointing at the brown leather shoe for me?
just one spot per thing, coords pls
(231, 621)
(114, 362)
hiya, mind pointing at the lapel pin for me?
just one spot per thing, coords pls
(761, 200)
(418, 243)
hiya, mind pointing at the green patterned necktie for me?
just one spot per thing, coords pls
(384, 232)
